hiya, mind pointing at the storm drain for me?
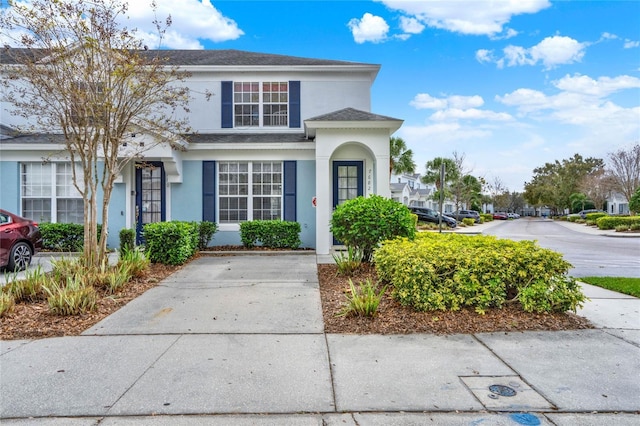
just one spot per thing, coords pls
(505, 393)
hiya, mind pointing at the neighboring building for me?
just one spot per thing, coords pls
(617, 203)
(409, 190)
(282, 138)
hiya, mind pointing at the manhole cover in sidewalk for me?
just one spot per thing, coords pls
(502, 390)
(505, 393)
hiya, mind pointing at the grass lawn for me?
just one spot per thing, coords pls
(630, 286)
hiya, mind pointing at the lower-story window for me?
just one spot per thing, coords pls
(48, 194)
(249, 191)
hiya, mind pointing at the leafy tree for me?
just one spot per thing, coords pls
(400, 158)
(499, 194)
(634, 202)
(579, 201)
(553, 183)
(84, 76)
(624, 168)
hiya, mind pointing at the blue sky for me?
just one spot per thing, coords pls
(510, 85)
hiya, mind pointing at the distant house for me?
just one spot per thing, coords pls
(282, 138)
(409, 190)
(617, 203)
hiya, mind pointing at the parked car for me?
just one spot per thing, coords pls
(463, 214)
(500, 216)
(583, 213)
(427, 215)
(20, 239)
(513, 215)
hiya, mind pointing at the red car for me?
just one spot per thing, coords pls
(500, 216)
(20, 239)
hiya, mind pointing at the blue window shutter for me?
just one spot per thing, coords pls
(209, 191)
(289, 209)
(227, 105)
(294, 104)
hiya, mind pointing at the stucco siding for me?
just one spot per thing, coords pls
(10, 186)
(186, 197)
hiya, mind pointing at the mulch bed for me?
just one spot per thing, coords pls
(33, 321)
(393, 318)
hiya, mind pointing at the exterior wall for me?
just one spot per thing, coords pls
(305, 212)
(320, 93)
(10, 186)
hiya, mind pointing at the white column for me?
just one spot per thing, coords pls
(324, 208)
(382, 176)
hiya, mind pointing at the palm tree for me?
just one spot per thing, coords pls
(400, 158)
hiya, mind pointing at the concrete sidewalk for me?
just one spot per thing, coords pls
(238, 340)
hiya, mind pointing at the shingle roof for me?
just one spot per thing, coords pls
(247, 138)
(225, 57)
(351, 114)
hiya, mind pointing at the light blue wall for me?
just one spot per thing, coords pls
(117, 214)
(10, 186)
(186, 197)
(305, 191)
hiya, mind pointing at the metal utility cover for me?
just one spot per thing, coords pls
(505, 393)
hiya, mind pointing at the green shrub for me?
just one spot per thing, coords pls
(362, 300)
(634, 227)
(486, 217)
(136, 262)
(593, 217)
(72, 298)
(118, 277)
(270, 233)
(450, 271)
(634, 202)
(559, 294)
(610, 222)
(622, 228)
(206, 230)
(29, 289)
(363, 223)
(7, 303)
(468, 221)
(63, 236)
(127, 240)
(348, 262)
(171, 243)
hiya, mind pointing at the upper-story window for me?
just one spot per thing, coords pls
(263, 104)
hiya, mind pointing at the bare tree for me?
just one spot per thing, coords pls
(597, 187)
(82, 75)
(624, 167)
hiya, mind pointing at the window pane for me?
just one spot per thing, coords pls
(37, 209)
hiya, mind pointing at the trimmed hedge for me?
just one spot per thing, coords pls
(63, 236)
(451, 271)
(270, 233)
(171, 243)
(612, 222)
(206, 230)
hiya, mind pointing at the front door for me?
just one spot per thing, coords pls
(150, 196)
(347, 182)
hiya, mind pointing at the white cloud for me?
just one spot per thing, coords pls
(470, 114)
(370, 28)
(192, 21)
(630, 44)
(601, 87)
(551, 52)
(582, 101)
(484, 55)
(426, 101)
(411, 25)
(477, 17)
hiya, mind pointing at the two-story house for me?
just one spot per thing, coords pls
(282, 138)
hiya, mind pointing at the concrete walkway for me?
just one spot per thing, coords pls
(238, 340)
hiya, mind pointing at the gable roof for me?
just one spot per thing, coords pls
(223, 57)
(351, 114)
